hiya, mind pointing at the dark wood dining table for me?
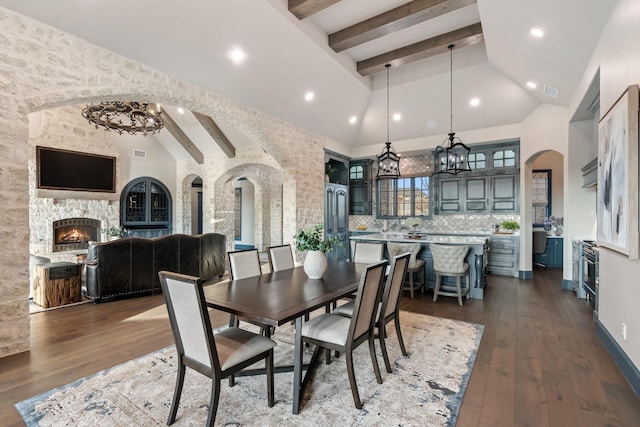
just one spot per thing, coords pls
(275, 299)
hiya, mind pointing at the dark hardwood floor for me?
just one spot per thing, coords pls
(540, 362)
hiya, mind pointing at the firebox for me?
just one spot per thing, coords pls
(74, 233)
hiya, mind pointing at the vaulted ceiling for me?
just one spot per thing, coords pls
(337, 49)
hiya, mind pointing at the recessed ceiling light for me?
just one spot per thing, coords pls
(180, 110)
(537, 32)
(309, 96)
(397, 117)
(237, 55)
(353, 119)
(532, 85)
(474, 102)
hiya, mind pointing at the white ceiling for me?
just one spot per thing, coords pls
(288, 57)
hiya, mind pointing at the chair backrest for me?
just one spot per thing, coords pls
(367, 299)
(393, 285)
(368, 253)
(243, 264)
(281, 258)
(189, 318)
(539, 241)
(449, 258)
(395, 248)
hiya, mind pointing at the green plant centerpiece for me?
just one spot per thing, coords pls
(113, 232)
(510, 225)
(312, 242)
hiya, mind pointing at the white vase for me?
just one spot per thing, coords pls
(315, 264)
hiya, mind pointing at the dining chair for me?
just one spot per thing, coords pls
(243, 264)
(281, 258)
(368, 252)
(539, 246)
(389, 309)
(448, 260)
(416, 265)
(215, 355)
(331, 331)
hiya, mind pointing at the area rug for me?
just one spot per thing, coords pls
(425, 389)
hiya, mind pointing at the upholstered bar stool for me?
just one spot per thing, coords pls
(415, 265)
(448, 260)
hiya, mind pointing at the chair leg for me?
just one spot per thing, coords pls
(399, 334)
(269, 368)
(176, 393)
(213, 405)
(352, 380)
(436, 288)
(374, 359)
(382, 336)
(459, 289)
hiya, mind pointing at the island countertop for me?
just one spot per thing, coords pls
(424, 238)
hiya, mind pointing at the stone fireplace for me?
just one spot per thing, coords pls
(74, 233)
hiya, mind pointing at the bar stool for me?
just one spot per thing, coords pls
(415, 265)
(448, 260)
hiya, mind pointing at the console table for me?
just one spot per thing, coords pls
(57, 283)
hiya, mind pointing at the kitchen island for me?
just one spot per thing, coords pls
(476, 258)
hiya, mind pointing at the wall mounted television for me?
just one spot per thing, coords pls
(75, 171)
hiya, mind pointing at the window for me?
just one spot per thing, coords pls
(504, 158)
(477, 161)
(403, 197)
(541, 196)
(356, 172)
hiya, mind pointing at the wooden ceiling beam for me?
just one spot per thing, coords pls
(305, 8)
(217, 134)
(393, 20)
(182, 137)
(466, 36)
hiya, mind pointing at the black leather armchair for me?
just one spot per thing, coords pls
(130, 266)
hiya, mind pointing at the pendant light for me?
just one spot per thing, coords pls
(452, 156)
(388, 160)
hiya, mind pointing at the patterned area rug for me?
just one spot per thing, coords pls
(425, 389)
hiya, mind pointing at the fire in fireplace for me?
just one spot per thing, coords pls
(74, 233)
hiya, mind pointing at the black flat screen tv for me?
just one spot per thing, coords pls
(75, 171)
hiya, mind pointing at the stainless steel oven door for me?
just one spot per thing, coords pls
(589, 267)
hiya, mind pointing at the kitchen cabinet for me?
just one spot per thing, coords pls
(336, 219)
(553, 254)
(504, 193)
(475, 194)
(449, 195)
(504, 252)
(360, 187)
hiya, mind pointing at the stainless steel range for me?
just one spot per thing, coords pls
(590, 272)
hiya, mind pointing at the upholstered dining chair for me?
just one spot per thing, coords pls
(244, 263)
(281, 258)
(368, 252)
(415, 265)
(343, 334)
(389, 309)
(215, 355)
(448, 260)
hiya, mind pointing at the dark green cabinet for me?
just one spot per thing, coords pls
(336, 219)
(360, 187)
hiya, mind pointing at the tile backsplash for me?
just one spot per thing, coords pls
(480, 223)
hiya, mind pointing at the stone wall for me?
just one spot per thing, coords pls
(44, 68)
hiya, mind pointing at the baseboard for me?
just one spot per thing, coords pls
(239, 247)
(525, 274)
(567, 285)
(629, 370)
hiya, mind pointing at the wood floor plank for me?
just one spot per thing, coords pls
(537, 364)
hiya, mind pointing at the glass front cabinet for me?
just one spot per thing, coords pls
(145, 208)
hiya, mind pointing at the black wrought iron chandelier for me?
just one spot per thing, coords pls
(388, 160)
(452, 156)
(125, 117)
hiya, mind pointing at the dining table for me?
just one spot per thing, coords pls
(277, 298)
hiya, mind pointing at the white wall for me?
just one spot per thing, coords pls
(617, 56)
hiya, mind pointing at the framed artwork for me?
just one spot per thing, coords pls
(618, 175)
